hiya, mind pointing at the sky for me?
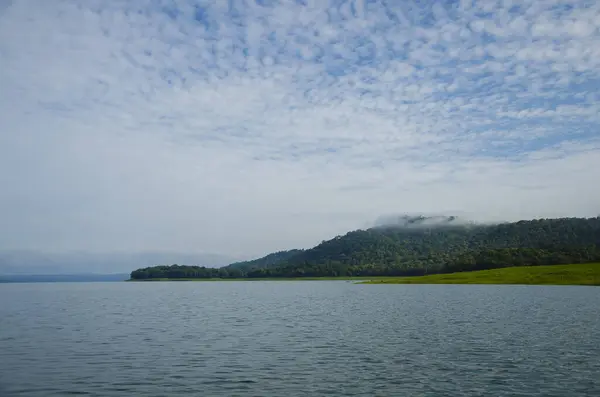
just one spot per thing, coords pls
(244, 127)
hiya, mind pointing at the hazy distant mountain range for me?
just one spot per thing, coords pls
(39, 263)
(63, 278)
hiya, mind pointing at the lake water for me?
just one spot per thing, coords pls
(301, 338)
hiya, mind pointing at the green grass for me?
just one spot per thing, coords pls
(577, 274)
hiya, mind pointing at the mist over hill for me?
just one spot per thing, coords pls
(420, 221)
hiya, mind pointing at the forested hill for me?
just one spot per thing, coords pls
(419, 247)
(271, 260)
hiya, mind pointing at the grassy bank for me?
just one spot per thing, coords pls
(577, 274)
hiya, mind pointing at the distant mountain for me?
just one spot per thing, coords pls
(34, 262)
(419, 245)
(54, 278)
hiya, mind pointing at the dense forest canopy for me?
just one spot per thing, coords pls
(416, 246)
(271, 260)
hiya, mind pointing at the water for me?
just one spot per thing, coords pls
(297, 339)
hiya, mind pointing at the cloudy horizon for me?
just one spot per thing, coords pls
(246, 127)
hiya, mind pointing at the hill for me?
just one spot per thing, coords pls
(269, 261)
(418, 246)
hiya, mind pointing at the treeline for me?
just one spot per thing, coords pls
(183, 272)
(406, 251)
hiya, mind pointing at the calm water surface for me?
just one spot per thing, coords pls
(297, 339)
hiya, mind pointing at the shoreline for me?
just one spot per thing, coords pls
(574, 274)
(330, 278)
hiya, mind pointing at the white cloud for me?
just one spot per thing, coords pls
(191, 126)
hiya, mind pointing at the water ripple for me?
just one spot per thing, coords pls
(297, 339)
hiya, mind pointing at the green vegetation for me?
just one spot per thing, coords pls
(339, 278)
(575, 274)
(269, 261)
(417, 247)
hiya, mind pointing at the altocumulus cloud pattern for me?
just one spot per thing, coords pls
(270, 124)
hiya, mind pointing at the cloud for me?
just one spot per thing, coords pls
(243, 127)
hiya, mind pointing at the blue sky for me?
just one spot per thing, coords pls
(249, 126)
